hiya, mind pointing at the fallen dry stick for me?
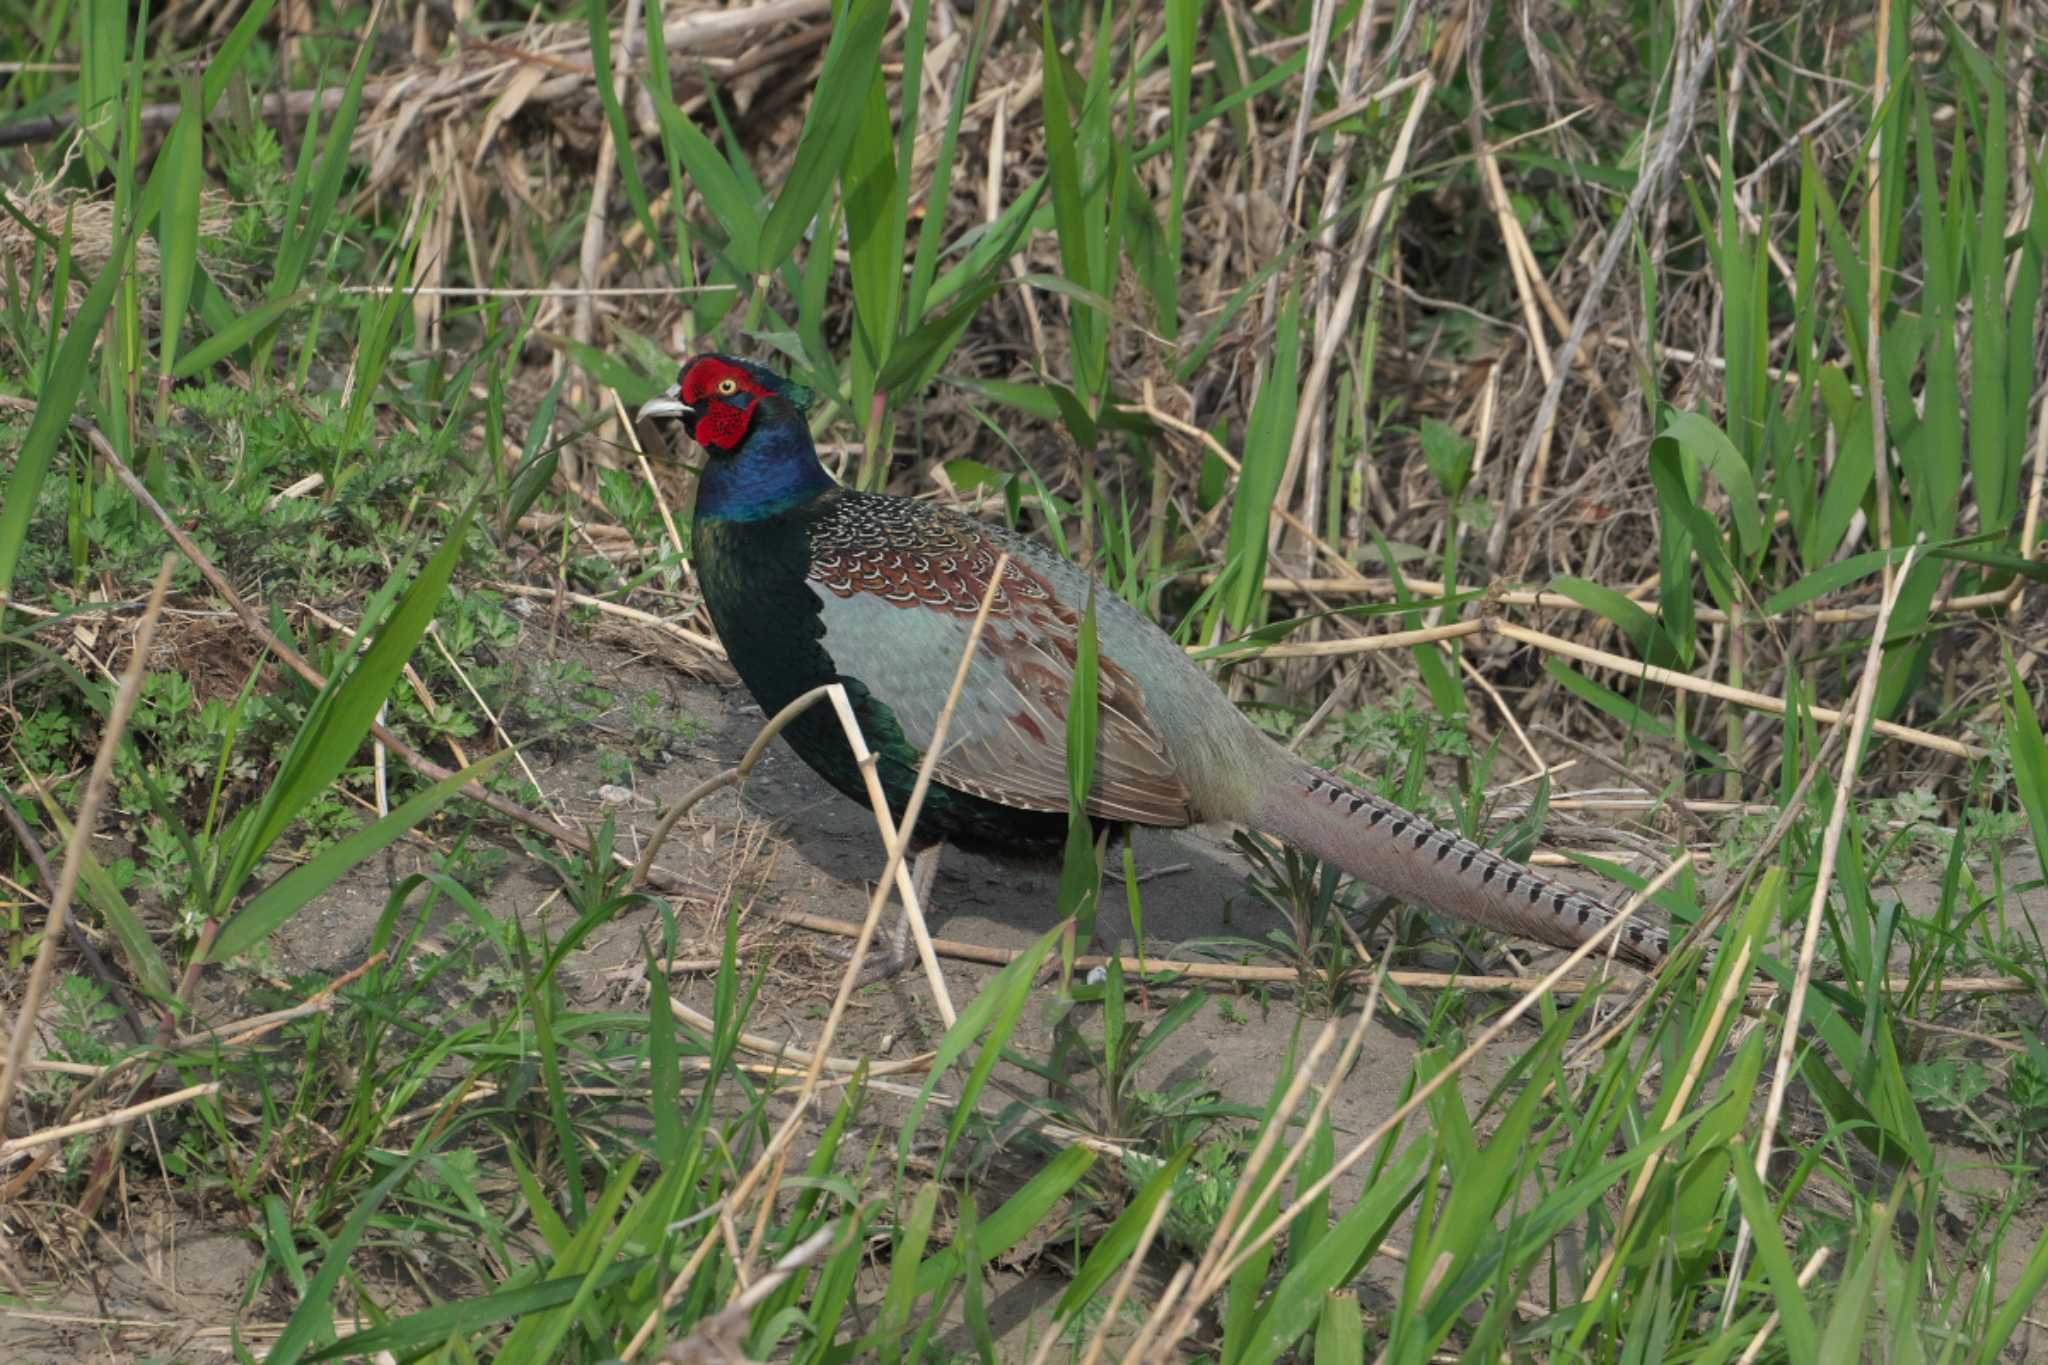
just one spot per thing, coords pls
(16, 1146)
(1249, 974)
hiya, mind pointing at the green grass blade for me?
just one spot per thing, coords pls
(102, 78)
(54, 405)
(1270, 432)
(873, 194)
(323, 184)
(1340, 1332)
(1019, 1214)
(905, 1257)
(925, 265)
(291, 893)
(466, 1317)
(1802, 1334)
(341, 716)
(314, 1317)
(226, 62)
(1080, 875)
(993, 1012)
(1183, 25)
(2029, 753)
(1296, 1303)
(598, 24)
(2025, 1298)
(1637, 625)
(1070, 206)
(1849, 1322)
(1121, 1241)
(178, 227)
(732, 205)
(138, 945)
(239, 333)
(851, 62)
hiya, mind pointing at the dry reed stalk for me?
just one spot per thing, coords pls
(906, 885)
(1172, 1309)
(769, 1047)
(1806, 1276)
(1404, 639)
(694, 639)
(1676, 131)
(1721, 692)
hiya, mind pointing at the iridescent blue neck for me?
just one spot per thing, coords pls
(775, 468)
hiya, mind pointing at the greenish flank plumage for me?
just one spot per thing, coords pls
(771, 622)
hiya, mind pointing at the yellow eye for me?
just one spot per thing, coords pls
(728, 386)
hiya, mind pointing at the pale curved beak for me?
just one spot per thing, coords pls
(670, 404)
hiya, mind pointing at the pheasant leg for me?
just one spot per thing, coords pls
(900, 952)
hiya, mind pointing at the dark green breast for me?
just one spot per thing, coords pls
(755, 579)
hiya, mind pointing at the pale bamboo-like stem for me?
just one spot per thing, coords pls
(1355, 585)
(1763, 1333)
(1603, 659)
(1809, 940)
(1359, 644)
(28, 1142)
(1761, 701)
(897, 841)
(767, 1169)
(1251, 974)
(770, 1047)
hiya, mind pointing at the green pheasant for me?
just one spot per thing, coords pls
(809, 582)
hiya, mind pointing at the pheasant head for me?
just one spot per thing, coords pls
(751, 422)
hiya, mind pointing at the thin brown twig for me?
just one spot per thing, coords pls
(77, 847)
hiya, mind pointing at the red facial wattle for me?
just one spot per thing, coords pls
(723, 397)
(722, 422)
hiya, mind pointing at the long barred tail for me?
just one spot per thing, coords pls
(1400, 852)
